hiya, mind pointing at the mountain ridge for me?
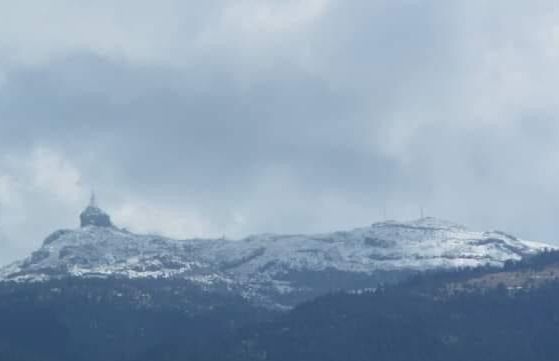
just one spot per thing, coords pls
(270, 268)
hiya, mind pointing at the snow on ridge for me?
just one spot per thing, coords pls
(417, 244)
(266, 261)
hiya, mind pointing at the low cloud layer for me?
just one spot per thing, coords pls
(239, 117)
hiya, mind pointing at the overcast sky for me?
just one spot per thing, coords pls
(210, 118)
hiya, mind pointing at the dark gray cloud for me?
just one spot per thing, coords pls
(254, 116)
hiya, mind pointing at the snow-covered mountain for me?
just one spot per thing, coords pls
(274, 269)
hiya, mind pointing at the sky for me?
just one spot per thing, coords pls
(228, 118)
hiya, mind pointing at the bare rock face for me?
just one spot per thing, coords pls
(94, 216)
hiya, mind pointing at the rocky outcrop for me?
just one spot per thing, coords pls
(94, 216)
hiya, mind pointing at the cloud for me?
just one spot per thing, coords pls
(37, 189)
(152, 218)
(238, 117)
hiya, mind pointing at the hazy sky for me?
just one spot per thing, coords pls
(216, 117)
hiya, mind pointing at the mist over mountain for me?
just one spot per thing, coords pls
(279, 180)
(235, 118)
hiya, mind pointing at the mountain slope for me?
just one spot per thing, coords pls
(89, 319)
(275, 269)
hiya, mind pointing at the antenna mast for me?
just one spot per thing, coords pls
(93, 200)
(384, 211)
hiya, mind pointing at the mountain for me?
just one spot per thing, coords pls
(272, 270)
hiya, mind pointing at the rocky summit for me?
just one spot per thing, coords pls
(273, 270)
(94, 216)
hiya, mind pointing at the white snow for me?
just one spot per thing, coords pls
(249, 263)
